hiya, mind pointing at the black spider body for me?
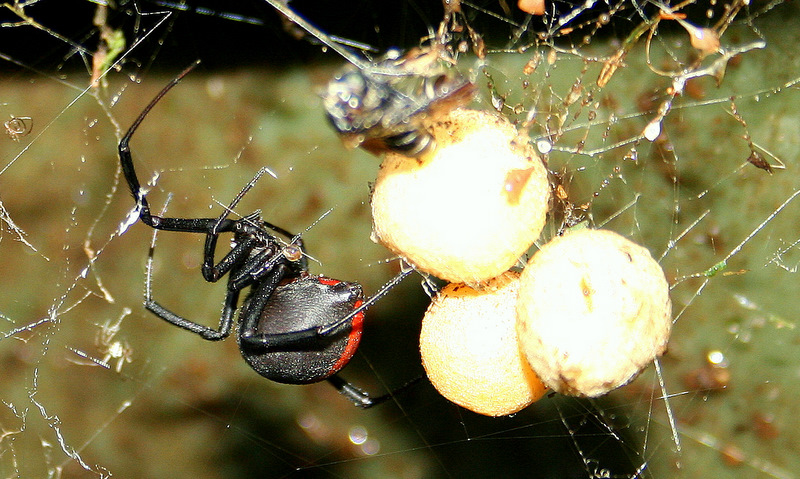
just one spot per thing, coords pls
(305, 302)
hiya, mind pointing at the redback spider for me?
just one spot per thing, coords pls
(294, 327)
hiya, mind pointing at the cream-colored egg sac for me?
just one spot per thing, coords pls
(470, 350)
(467, 211)
(593, 310)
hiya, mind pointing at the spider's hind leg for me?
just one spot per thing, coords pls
(360, 397)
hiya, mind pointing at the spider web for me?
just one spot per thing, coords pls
(93, 385)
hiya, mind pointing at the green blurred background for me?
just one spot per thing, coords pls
(72, 283)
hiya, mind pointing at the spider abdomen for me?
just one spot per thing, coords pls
(305, 303)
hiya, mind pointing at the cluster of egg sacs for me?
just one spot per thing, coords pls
(586, 314)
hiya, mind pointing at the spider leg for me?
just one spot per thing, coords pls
(126, 161)
(211, 334)
(362, 398)
(225, 321)
(250, 184)
(213, 272)
(296, 239)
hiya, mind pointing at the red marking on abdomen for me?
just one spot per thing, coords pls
(353, 338)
